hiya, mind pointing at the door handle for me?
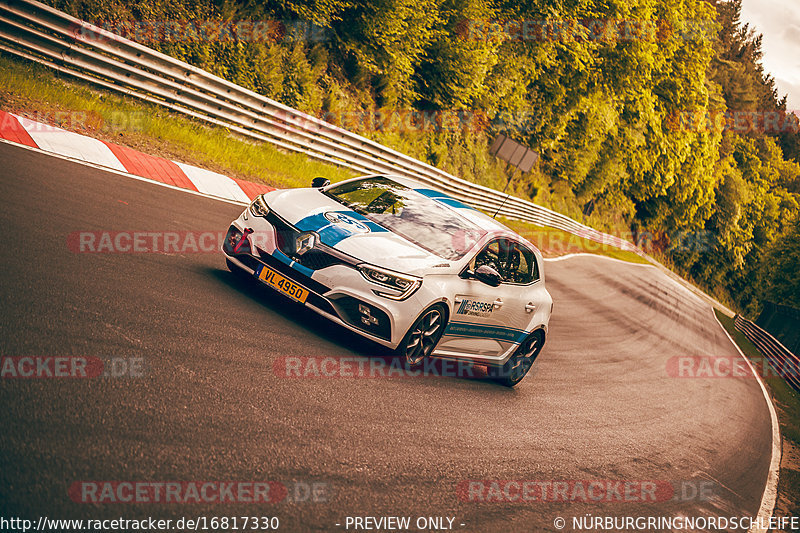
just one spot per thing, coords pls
(530, 307)
(498, 303)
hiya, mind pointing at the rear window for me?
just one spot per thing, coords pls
(410, 214)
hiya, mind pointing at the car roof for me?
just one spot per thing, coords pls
(476, 217)
(494, 228)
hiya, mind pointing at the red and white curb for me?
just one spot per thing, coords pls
(72, 145)
(67, 144)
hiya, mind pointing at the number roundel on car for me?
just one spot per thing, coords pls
(346, 221)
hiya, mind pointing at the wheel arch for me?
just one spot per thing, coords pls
(543, 329)
(442, 302)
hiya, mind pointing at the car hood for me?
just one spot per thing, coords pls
(350, 232)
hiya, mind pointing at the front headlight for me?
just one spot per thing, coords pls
(404, 283)
(259, 207)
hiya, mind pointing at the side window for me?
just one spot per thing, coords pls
(490, 256)
(514, 262)
(521, 267)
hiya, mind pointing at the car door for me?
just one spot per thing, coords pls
(487, 322)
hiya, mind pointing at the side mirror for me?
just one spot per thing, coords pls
(320, 182)
(488, 275)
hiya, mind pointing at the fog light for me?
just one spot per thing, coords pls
(233, 238)
(243, 242)
(366, 316)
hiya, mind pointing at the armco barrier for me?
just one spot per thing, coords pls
(40, 33)
(783, 361)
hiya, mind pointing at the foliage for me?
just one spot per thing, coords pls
(623, 99)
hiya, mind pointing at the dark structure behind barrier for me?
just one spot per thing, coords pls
(513, 153)
(783, 322)
(783, 363)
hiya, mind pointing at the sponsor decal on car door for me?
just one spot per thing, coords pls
(483, 325)
(491, 321)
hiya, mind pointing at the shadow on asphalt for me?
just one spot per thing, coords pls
(315, 324)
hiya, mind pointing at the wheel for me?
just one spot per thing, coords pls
(422, 337)
(518, 365)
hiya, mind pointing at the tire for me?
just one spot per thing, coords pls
(422, 337)
(521, 362)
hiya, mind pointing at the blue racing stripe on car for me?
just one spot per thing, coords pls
(465, 329)
(283, 258)
(332, 233)
(329, 233)
(452, 202)
(443, 198)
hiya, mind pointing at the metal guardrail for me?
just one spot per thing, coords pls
(785, 363)
(40, 33)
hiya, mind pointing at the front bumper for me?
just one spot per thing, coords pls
(336, 288)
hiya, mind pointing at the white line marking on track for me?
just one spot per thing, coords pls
(770, 495)
(770, 491)
(213, 183)
(583, 254)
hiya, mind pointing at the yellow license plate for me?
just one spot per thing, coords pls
(283, 284)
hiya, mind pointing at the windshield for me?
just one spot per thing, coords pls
(410, 214)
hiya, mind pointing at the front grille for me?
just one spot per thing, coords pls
(285, 234)
(317, 259)
(292, 273)
(314, 286)
(286, 239)
(347, 308)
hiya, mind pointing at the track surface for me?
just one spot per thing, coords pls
(600, 405)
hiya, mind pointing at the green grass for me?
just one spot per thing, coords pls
(787, 405)
(45, 96)
(42, 95)
(554, 242)
(719, 293)
(785, 397)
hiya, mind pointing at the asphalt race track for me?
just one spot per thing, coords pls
(599, 405)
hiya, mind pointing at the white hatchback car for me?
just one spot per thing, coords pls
(406, 266)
